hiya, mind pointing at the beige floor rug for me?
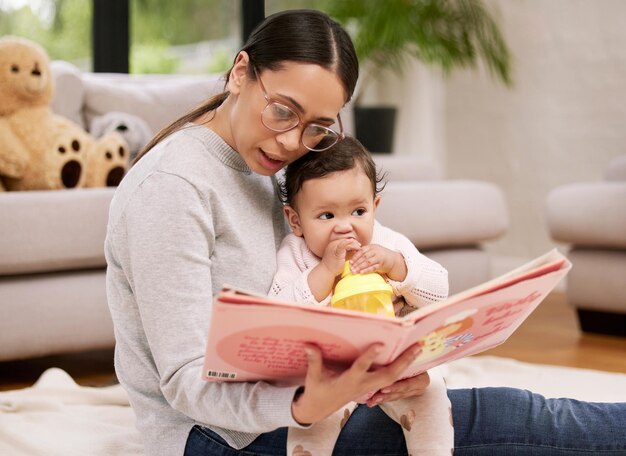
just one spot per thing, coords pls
(57, 417)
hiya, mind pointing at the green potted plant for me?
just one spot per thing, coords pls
(445, 34)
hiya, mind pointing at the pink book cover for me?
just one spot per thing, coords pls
(253, 338)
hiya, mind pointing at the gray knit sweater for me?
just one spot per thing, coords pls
(188, 218)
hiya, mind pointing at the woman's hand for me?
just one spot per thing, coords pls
(325, 390)
(376, 258)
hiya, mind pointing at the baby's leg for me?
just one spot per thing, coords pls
(426, 420)
(319, 439)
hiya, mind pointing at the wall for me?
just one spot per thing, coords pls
(419, 94)
(562, 122)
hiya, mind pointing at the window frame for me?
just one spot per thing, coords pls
(111, 34)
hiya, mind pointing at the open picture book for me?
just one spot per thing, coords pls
(252, 337)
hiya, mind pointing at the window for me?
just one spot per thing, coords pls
(274, 6)
(182, 36)
(62, 27)
(185, 36)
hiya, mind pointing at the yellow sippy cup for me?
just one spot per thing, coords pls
(363, 292)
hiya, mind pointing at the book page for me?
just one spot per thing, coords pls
(478, 323)
(551, 261)
(255, 338)
(249, 341)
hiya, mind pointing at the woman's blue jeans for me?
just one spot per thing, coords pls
(487, 421)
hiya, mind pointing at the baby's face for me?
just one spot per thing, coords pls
(340, 205)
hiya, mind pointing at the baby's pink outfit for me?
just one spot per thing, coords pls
(426, 420)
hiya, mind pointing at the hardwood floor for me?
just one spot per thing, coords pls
(94, 368)
(549, 336)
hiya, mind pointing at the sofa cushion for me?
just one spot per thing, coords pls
(157, 99)
(44, 314)
(53, 230)
(616, 169)
(589, 214)
(69, 93)
(596, 281)
(434, 214)
(467, 267)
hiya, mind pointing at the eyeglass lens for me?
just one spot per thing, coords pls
(279, 117)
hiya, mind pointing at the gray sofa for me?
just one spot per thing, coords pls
(52, 268)
(590, 217)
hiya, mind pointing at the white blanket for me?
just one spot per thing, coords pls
(548, 380)
(58, 417)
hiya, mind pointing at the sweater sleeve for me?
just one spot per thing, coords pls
(294, 263)
(426, 281)
(168, 264)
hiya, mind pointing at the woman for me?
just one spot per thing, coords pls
(201, 209)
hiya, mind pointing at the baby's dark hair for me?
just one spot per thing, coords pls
(343, 156)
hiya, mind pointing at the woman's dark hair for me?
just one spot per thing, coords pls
(343, 156)
(305, 36)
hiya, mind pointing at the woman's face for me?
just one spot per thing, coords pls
(313, 92)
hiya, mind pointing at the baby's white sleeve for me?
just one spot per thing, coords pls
(291, 279)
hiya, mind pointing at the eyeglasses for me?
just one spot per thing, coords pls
(279, 117)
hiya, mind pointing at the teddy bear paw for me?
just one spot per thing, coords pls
(107, 163)
(72, 169)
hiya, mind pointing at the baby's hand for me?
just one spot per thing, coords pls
(376, 258)
(336, 252)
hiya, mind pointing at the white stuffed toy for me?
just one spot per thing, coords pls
(133, 129)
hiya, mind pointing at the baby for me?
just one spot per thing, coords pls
(330, 202)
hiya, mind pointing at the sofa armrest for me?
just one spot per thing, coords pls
(436, 214)
(591, 214)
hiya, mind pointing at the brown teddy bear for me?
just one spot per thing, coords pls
(39, 150)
